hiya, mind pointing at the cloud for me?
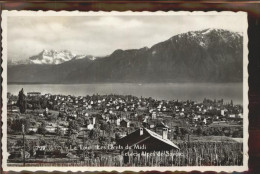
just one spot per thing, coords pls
(101, 35)
(114, 22)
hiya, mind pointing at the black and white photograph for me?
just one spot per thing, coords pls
(122, 90)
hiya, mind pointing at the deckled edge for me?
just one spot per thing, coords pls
(6, 13)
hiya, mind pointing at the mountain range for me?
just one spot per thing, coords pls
(210, 55)
(52, 57)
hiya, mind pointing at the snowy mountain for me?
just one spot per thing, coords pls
(77, 57)
(210, 55)
(208, 36)
(55, 57)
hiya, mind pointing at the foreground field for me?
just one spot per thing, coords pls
(190, 154)
(215, 139)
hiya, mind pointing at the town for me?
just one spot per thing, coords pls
(95, 130)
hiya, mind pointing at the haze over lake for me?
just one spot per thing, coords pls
(161, 91)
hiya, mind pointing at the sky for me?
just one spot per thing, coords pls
(101, 35)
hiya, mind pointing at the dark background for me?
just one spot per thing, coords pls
(252, 7)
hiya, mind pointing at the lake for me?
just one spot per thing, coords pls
(161, 91)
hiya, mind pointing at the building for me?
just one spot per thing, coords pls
(161, 127)
(14, 109)
(153, 115)
(33, 94)
(231, 116)
(152, 141)
(222, 112)
(125, 123)
(50, 128)
(144, 141)
(145, 123)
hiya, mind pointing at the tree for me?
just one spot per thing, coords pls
(43, 102)
(17, 125)
(73, 127)
(59, 132)
(134, 125)
(117, 136)
(51, 117)
(103, 140)
(27, 124)
(42, 129)
(184, 132)
(199, 131)
(21, 102)
(80, 121)
(105, 127)
(35, 104)
(93, 134)
(177, 132)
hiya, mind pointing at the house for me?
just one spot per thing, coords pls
(160, 127)
(204, 121)
(125, 123)
(50, 128)
(145, 123)
(231, 115)
(47, 95)
(33, 129)
(148, 139)
(222, 112)
(90, 126)
(240, 115)
(15, 109)
(93, 120)
(33, 94)
(63, 129)
(154, 115)
(118, 120)
(46, 111)
(164, 109)
(182, 114)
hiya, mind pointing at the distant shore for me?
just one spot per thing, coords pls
(138, 83)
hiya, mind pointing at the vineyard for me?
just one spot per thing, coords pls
(211, 154)
(190, 154)
(197, 154)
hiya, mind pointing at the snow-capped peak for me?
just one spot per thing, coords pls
(92, 58)
(54, 57)
(208, 31)
(84, 56)
(204, 37)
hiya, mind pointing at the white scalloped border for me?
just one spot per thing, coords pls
(244, 24)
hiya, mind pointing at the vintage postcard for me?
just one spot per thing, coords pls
(95, 91)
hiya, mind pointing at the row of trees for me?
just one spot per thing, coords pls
(32, 103)
(21, 102)
(235, 132)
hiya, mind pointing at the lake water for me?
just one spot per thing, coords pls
(165, 91)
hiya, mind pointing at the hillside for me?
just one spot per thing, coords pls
(211, 55)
